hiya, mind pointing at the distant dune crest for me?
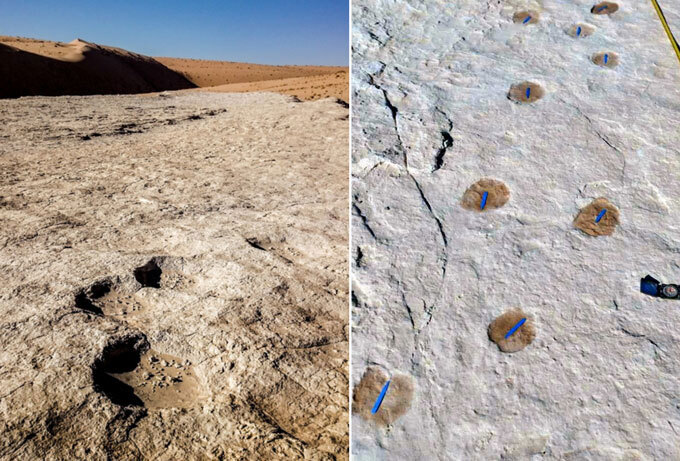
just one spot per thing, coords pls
(31, 67)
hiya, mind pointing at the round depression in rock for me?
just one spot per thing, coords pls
(526, 92)
(600, 217)
(497, 195)
(526, 17)
(512, 331)
(397, 399)
(581, 30)
(605, 8)
(606, 59)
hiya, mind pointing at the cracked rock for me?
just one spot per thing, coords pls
(423, 307)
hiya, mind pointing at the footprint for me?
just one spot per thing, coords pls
(86, 298)
(108, 298)
(129, 373)
(526, 92)
(122, 356)
(606, 59)
(605, 8)
(581, 30)
(526, 17)
(586, 220)
(396, 402)
(503, 324)
(498, 195)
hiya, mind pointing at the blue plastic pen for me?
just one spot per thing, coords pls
(515, 328)
(380, 398)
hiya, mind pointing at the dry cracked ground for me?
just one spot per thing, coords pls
(173, 277)
(447, 94)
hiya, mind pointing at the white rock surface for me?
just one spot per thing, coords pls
(241, 199)
(601, 379)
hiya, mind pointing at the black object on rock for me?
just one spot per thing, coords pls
(651, 286)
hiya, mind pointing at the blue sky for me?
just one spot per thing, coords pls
(257, 31)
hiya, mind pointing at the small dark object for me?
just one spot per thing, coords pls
(651, 286)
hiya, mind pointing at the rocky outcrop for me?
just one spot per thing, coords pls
(599, 381)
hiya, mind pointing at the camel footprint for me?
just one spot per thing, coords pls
(124, 297)
(129, 373)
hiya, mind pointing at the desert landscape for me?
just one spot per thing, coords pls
(174, 263)
(30, 67)
(304, 82)
(514, 176)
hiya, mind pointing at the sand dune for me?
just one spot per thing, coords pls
(212, 73)
(304, 82)
(312, 87)
(31, 67)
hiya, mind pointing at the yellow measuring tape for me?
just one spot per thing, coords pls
(674, 43)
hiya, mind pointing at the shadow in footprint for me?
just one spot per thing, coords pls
(84, 298)
(117, 391)
(149, 275)
(83, 302)
(119, 357)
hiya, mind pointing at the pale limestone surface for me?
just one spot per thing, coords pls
(241, 200)
(600, 381)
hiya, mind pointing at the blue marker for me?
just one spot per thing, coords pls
(602, 8)
(528, 92)
(606, 58)
(599, 216)
(527, 20)
(376, 407)
(578, 31)
(515, 328)
(483, 204)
